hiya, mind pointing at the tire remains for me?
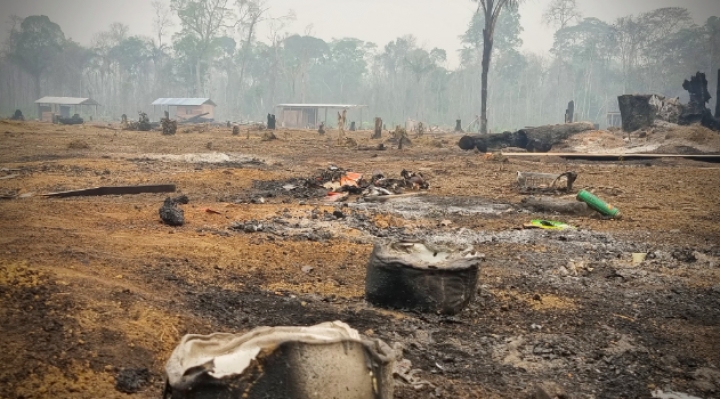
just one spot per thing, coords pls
(422, 277)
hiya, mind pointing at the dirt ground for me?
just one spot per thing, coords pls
(96, 289)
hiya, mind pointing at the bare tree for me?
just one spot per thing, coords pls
(491, 9)
(162, 20)
(560, 13)
(251, 13)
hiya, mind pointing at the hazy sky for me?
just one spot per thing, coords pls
(436, 23)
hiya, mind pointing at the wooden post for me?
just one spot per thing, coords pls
(570, 112)
(717, 98)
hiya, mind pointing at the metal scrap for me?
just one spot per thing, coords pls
(119, 190)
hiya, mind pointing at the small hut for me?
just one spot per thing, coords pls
(197, 109)
(64, 107)
(304, 116)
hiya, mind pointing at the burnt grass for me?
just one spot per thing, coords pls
(631, 332)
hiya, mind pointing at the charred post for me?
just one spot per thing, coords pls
(717, 98)
(378, 129)
(458, 126)
(696, 110)
(570, 112)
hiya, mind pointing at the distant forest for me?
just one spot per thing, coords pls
(218, 53)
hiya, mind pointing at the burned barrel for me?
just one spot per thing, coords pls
(329, 360)
(422, 277)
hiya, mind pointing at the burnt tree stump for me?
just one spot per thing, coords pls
(377, 134)
(717, 98)
(458, 126)
(570, 112)
(696, 110)
(636, 111)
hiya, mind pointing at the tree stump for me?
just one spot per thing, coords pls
(458, 126)
(717, 98)
(570, 112)
(271, 122)
(18, 116)
(696, 110)
(636, 111)
(378, 129)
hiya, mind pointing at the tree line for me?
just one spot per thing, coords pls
(218, 53)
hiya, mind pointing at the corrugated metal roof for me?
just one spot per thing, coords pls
(183, 101)
(67, 101)
(321, 106)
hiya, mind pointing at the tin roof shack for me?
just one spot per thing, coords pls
(189, 110)
(309, 116)
(51, 108)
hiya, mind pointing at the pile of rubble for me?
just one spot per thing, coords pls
(142, 125)
(342, 183)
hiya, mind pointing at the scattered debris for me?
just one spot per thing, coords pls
(639, 257)
(8, 177)
(142, 125)
(548, 225)
(214, 212)
(400, 137)
(74, 120)
(132, 380)
(415, 180)
(169, 127)
(599, 205)
(335, 197)
(329, 360)
(408, 375)
(119, 190)
(659, 394)
(531, 182)
(170, 214)
(423, 277)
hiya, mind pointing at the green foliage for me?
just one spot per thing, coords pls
(506, 38)
(36, 44)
